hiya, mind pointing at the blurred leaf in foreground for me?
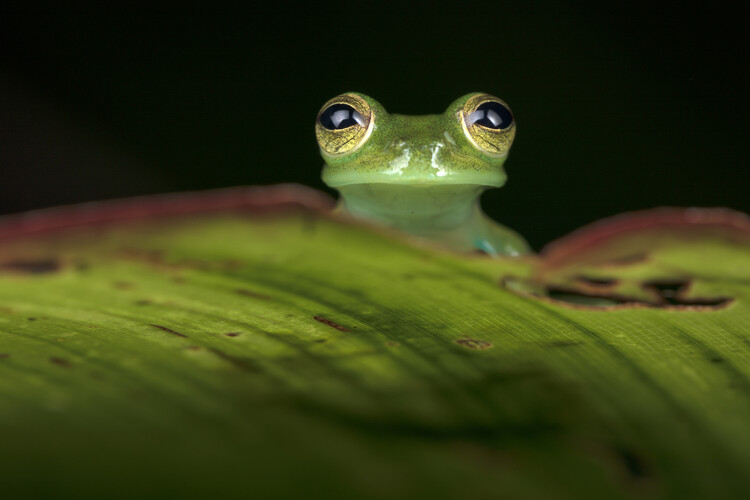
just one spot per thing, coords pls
(243, 343)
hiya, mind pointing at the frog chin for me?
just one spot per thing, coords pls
(415, 208)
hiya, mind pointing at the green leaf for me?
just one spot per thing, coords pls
(243, 343)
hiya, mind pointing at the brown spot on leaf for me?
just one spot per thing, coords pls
(143, 302)
(31, 266)
(391, 343)
(250, 293)
(193, 348)
(476, 344)
(4, 355)
(331, 323)
(60, 362)
(31, 319)
(123, 285)
(168, 330)
(233, 334)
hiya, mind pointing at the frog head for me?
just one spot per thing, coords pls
(420, 174)
(362, 143)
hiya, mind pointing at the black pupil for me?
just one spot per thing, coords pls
(492, 115)
(339, 116)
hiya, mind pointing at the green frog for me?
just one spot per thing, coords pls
(421, 174)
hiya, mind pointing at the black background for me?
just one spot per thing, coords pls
(619, 107)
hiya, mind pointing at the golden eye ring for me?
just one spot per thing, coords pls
(488, 124)
(344, 124)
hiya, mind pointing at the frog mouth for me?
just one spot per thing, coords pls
(425, 176)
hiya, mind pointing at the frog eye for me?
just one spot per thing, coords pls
(488, 124)
(344, 124)
(340, 116)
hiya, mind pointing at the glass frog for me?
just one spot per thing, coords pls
(421, 174)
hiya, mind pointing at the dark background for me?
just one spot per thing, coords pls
(619, 107)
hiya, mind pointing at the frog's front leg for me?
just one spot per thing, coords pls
(496, 239)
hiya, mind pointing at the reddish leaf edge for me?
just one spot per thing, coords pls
(279, 198)
(603, 231)
(245, 199)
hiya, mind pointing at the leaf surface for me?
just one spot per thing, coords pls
(243, 343)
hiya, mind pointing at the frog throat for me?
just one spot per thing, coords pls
(411, 207)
